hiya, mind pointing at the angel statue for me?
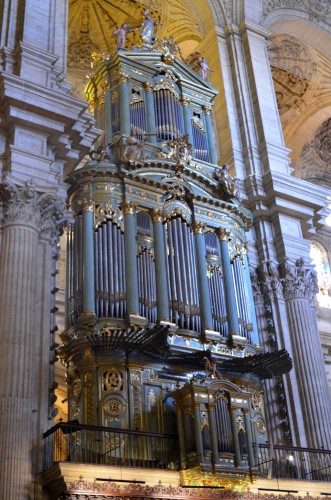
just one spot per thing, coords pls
(147, 28)
(227, 185)
(203, 68)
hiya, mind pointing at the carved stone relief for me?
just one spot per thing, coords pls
(316, 10)
(293, 70)
(314, 161)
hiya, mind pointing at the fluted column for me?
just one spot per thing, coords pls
(230, 297)
(204, 295)
(162, 297)
(150, 112)
(248, 428)
(125, 122)
(131, 268)
(213, 432)
(300, 286)
(26, 215)
(210, 136)
(235, 438)
(181, 437)
(197, 432)
(187, 119)
(88, 258)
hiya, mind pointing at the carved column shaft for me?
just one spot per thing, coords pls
(160, 269)
(210, 137)
(125, 122)
(204, 295)
(235, 438)
(197, 433)
(150, 113)
(108, 117)
(230, 298)
(131, 267)
(88, 259)
(181, 437)
(213, 432)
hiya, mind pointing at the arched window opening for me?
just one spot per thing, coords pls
(320, 260)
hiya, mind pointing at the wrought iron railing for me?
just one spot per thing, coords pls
(283, 462)
(73, 442)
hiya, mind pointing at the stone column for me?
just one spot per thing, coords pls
(230, 297)
(88, 259)
(300, 287)
(162, 298)
(213, 432)
(187, 119)
(235, 438)
(181, 437)
(150, 113)
(197, 432)
(131, 268)
(125, 122)
(25, 214)
(210, 137)
(204, 295)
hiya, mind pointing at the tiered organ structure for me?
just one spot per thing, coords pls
(159, 300)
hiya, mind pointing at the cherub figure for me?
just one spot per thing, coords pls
(134, 149)
(203, 67)
(120, 34)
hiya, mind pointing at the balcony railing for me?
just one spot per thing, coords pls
(73, 442)
(293, 463)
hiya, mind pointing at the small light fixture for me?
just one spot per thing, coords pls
(290, 458)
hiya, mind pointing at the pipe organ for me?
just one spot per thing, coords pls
(158, 286)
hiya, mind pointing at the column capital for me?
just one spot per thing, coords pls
(123, 77)
(129, 207)
(157, 215)
(148, 87)
(223, 234)
(210, 406)
(207, 110)
(24, 205)
(186, 101)
(198, 227)
(87, 205)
